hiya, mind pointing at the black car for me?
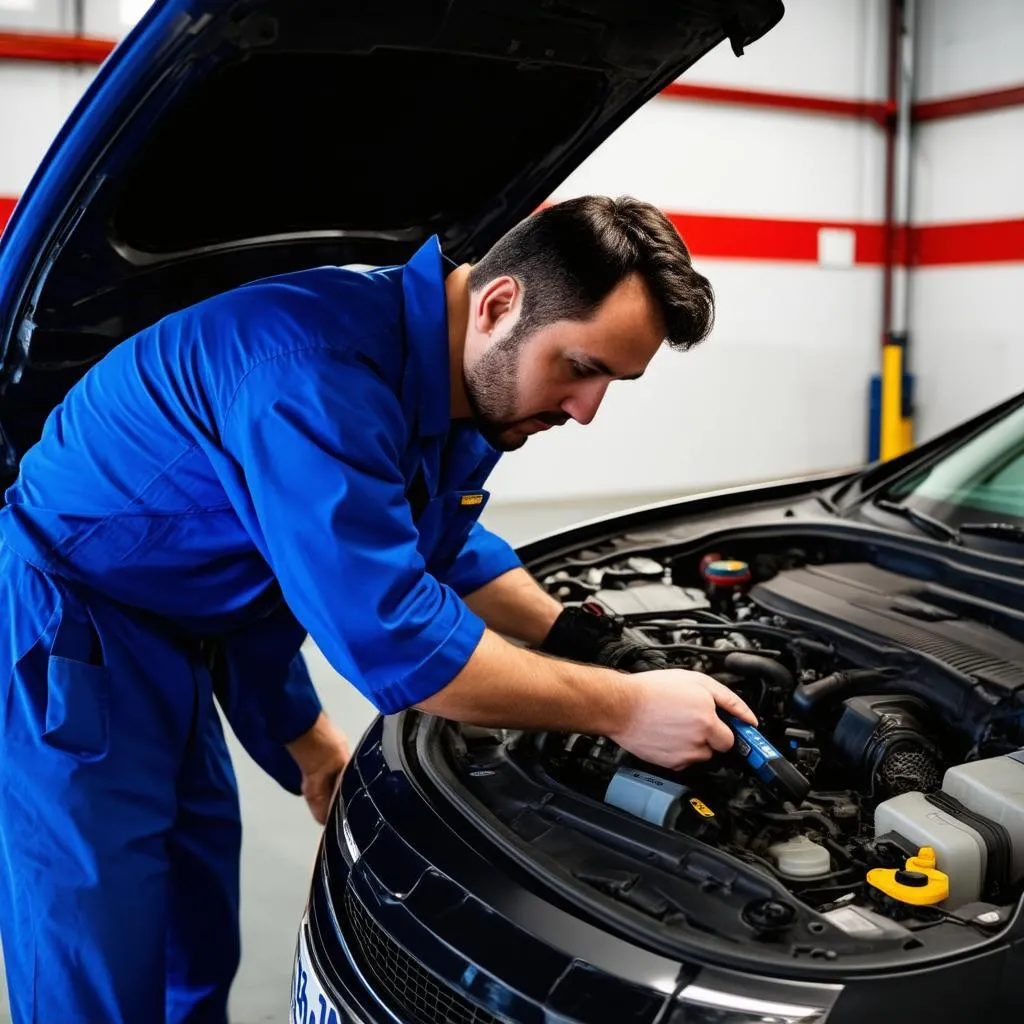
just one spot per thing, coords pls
(875, 622)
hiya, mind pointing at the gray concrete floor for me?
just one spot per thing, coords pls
(280, 837)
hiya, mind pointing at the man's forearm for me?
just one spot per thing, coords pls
(504, 685)
(515, 605)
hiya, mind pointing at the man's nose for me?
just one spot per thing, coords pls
(585, 400)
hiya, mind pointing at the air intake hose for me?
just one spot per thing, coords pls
(808, 697)
(757, 666)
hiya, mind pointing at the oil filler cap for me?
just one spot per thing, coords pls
(915, 879)
(920, 883)
(727, 572)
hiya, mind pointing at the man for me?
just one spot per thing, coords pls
(305, 453)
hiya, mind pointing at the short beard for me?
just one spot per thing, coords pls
(492, 392)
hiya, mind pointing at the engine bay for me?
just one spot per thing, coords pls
(880, 799)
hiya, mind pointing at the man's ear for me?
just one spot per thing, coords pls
(493, 303)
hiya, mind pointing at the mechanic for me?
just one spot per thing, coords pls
(302, 454)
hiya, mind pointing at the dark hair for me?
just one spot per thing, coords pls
(569, 256)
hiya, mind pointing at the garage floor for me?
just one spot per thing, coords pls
(280, 837)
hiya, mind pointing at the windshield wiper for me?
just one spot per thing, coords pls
(936, 527)
(1004, 531)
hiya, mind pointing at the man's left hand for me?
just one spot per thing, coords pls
(321, 753)
(585, 634)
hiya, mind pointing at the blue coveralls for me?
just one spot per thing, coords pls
(275, 460)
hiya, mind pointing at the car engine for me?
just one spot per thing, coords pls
(885, 781)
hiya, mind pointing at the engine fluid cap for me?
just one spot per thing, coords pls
(920, 884)
(727, 572)
(915, 879)
(701, 808)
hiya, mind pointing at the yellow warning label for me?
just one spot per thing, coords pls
(472, 499)
(701, 808)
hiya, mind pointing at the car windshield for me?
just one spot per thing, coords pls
(981, 482)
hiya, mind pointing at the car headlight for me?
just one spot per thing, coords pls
(350, 843)
(709, 1006)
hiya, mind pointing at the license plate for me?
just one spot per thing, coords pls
(310, 1004)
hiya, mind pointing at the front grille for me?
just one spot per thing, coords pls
(420, 996)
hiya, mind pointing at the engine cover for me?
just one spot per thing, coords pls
(883, 607)
(651, 599)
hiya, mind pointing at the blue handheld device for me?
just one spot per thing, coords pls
(780, 777)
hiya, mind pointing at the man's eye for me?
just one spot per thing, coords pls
(578, 370)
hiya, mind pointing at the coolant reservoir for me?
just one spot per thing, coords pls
(994, 788)
(800, 857)
(960, 851)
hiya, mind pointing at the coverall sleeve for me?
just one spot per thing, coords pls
(483, 557)
(315, 438)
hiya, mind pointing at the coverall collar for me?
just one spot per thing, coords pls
(426, 331)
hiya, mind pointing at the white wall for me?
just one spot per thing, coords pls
(751, 402)
(968, 46)
(836, 48)
(34, 100)
(781, 386)
(967, 345)
(36, 15)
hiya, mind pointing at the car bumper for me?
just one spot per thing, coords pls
(327, 986)
(409, 921)
(396, 934)
(330, 986)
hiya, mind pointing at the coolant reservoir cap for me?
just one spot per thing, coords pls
(920, 883)
(727, 572)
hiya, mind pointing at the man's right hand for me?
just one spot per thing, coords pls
(666, 716)
(675, 718)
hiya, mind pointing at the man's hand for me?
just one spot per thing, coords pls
(666, 716)
(321, 753)
(586, 634)
(675, 719)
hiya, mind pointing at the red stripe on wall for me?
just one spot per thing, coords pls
(54, 49)
(874, 111)
(796, 241)
(975, 103)
(757, 238)
(6, 209)
(996, 241)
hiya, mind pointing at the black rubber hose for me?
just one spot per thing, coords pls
(716, 652)
(808, 697)
(755, 666)
(809, 815)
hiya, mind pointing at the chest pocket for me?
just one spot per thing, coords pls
(445, 522)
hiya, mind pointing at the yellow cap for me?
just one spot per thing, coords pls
(920, 883)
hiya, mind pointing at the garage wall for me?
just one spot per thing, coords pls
(967, 343)
(763, 181)
(783, 210)
(36, 96)
(781, 385)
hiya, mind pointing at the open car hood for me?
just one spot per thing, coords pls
(223, 141)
